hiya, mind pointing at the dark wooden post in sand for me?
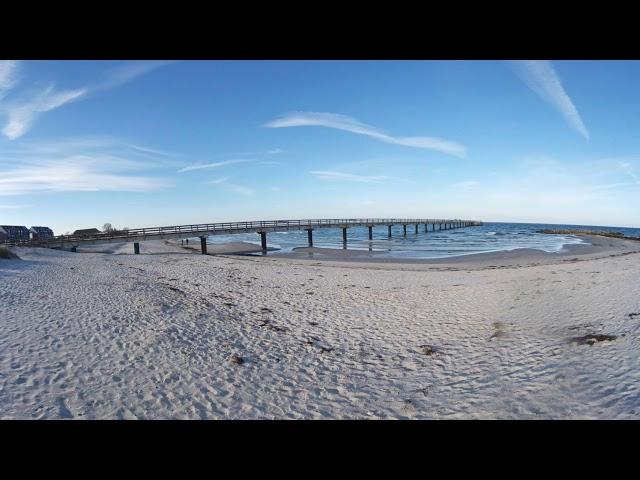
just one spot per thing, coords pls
(310, 236)
(404, 227)
(203, 245)
(416, 228)
(389, 226)
(344, 237)
(370, 232)
(263, 240)
(136, 248)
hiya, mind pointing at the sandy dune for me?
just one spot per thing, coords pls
(174, 334)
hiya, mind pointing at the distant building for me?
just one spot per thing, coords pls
(4, 236)
(86, 232)
(14, 233)
(40, 233)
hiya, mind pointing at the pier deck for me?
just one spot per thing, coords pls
(204, 230)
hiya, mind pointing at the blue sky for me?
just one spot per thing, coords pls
(141, 143)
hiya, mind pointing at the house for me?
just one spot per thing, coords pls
(14, 233)
(40, 233)
(86, 232)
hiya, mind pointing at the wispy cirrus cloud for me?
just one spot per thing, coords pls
(240, 189)
(231, 187)
(21, 117)
(10, 207)
(218, 181)
(630, 170)
(74, 174)
(126, 73)
(22, 114)
(540, 76)
(346, 177)
(349, 124)
(75, 165)
(8, 76)
(210, 165)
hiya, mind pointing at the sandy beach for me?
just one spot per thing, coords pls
(173, 334)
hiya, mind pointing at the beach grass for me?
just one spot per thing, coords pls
(8, 254)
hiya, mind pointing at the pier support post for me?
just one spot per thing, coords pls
(416, 228)
(344, 237)
(203, 245)
(433, 227)
(136, 248)
(310, 236)
(426, 227)
(389, 227)
(370, 232)
(263, 240)
(404, 228)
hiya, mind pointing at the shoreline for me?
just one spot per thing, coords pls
(598, 247)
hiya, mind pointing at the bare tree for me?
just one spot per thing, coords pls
(107, 227)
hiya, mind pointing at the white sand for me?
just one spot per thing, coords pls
(92, 335)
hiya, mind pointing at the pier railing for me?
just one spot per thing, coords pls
(201, 229)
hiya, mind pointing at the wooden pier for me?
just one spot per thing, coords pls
(205, 230)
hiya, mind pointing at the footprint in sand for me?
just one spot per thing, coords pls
(63, 409)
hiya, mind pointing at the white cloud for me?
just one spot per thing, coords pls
(345, 177)
(124, 74)
(73, 174)
(630, 170)
(240, 189)
(276, 151)
(343, 122)
(210, 165)
(152, 151)
(81, 164)
(231, 187)
(8, 76)
(218, 181)
(23, 114)
(540, 77)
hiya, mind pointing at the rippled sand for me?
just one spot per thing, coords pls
(175, 334)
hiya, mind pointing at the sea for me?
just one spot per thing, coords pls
(490, 237)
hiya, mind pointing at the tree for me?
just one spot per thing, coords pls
(107, 227)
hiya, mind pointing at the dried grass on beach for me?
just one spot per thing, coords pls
(7, 254)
